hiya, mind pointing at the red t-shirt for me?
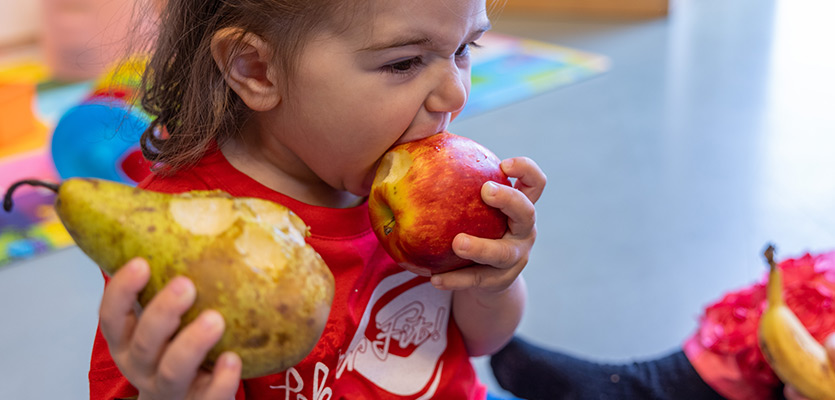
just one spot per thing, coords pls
(389, 334)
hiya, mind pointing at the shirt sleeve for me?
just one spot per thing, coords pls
(106, 382)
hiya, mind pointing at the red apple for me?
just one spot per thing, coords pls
(427, 191)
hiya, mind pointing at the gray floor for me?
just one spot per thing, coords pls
(713, 133)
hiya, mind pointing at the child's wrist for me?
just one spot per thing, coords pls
(487, 298)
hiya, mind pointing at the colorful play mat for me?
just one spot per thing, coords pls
(505, 70)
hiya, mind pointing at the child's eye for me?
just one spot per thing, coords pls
(403, 67)
(464, 50)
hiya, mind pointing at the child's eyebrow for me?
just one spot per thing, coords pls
(417, 40)
(398, 42)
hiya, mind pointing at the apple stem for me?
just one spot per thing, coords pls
(389, 227)
(7, 200)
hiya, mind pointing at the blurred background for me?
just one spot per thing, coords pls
(695, 132)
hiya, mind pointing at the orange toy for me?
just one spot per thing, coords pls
(20, 130)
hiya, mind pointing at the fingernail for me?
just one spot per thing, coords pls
(492, 188)
(436, 281)
(229, 360)
(463, 243)
(211, 320)
(506, 164)
(181, 286)
(136, 266)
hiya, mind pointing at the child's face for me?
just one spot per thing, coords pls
(396, 75)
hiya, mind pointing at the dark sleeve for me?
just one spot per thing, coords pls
(532, 373)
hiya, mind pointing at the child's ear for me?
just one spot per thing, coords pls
(246, 63)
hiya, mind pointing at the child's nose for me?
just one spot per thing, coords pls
(450, 93)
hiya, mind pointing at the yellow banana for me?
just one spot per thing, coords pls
(794, 355)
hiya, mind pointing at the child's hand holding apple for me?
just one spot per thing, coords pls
(443, 206)
(445, 202)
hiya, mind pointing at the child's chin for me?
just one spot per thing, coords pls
(365, 189)
(362, 191)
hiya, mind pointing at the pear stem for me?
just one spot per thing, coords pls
(7, 200)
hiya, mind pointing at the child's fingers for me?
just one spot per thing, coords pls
(116, 312)
(476, 276)
(501, 254)
(792, 394)
(513, 203)
(830, 348)
(222, 384)
(179, 365)
(159, 320)
(530, 179)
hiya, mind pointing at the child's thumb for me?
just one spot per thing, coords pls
(830, 348)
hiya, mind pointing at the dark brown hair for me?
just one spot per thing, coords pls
(185, 91)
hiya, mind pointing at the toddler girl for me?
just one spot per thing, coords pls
(296, 101)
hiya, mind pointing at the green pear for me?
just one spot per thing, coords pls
(247, 258)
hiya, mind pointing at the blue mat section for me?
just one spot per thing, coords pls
(507, 69)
